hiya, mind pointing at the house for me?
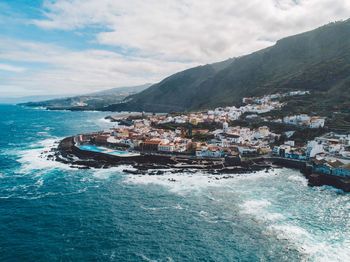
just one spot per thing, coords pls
(247, 150)
(345, 152)
(247, 100)
(120, 142)
(317, 122)
(234, 138)
(343, 171)
(290, 142)
(276, 151)
(327, 167)
(121, 132)
(178, 131)
(150, 145)
(296, 154)
(251, 116)
(290, 120)
(263, 150)
(262, 132)
(194, 121)
(284, 150)
(85, 138)
(209, 151)
(101, 139)
(166, 147)
(213, 152)
(314, 148)
(334, 148)
(321, 166)
(229, 138)
(112, 140)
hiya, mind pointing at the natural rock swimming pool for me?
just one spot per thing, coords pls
(105, 150)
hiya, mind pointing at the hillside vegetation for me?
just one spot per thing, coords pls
(318, 61)
(91, 101)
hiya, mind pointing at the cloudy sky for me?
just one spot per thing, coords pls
(79, 46)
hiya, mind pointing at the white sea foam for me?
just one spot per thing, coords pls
(290, 231)
(207, 217)
(55, 110)
(252, 205)
(37, 108)
(35, 158)
(107, 173)
(154, 208)
(6, 197)
(39, 182)
(43, 133)
(178, 206)
(146, 258)
(8, 123)
(255, 176)
(259, 209)
(101, 123)
(298, 178)
(103, 120)
(35, 195)
(316, 248)
(312, 242)
(183, 183)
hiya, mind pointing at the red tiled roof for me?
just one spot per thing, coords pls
(153, 142)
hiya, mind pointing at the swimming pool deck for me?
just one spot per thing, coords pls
(108, 151)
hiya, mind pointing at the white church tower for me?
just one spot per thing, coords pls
(224, 127)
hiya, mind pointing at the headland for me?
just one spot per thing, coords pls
(217, 141)
(68, 152)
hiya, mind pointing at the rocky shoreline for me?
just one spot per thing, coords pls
(69, 154)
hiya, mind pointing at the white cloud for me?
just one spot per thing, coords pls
(201, 31)
(60, 70)
(159, 37)
(11, 68)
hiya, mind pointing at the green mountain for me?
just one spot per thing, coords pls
(91, 101)
(318, 61)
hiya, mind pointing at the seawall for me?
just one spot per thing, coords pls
(68, 153)
(317, 179)
(68, 150)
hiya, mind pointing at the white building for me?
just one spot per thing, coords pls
(166, 147)
(208, 152)
(317, 122)
(314, 148)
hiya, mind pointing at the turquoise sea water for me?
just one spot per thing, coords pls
(97, 149)
(51, 212)
(91, 148)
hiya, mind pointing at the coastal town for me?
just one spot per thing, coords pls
(210, 134)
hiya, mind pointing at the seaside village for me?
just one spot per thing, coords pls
(330, 153)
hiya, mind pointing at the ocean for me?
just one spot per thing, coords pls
(51, 212)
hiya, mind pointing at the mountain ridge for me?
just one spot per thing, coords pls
(316, 61)
(91, 101)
